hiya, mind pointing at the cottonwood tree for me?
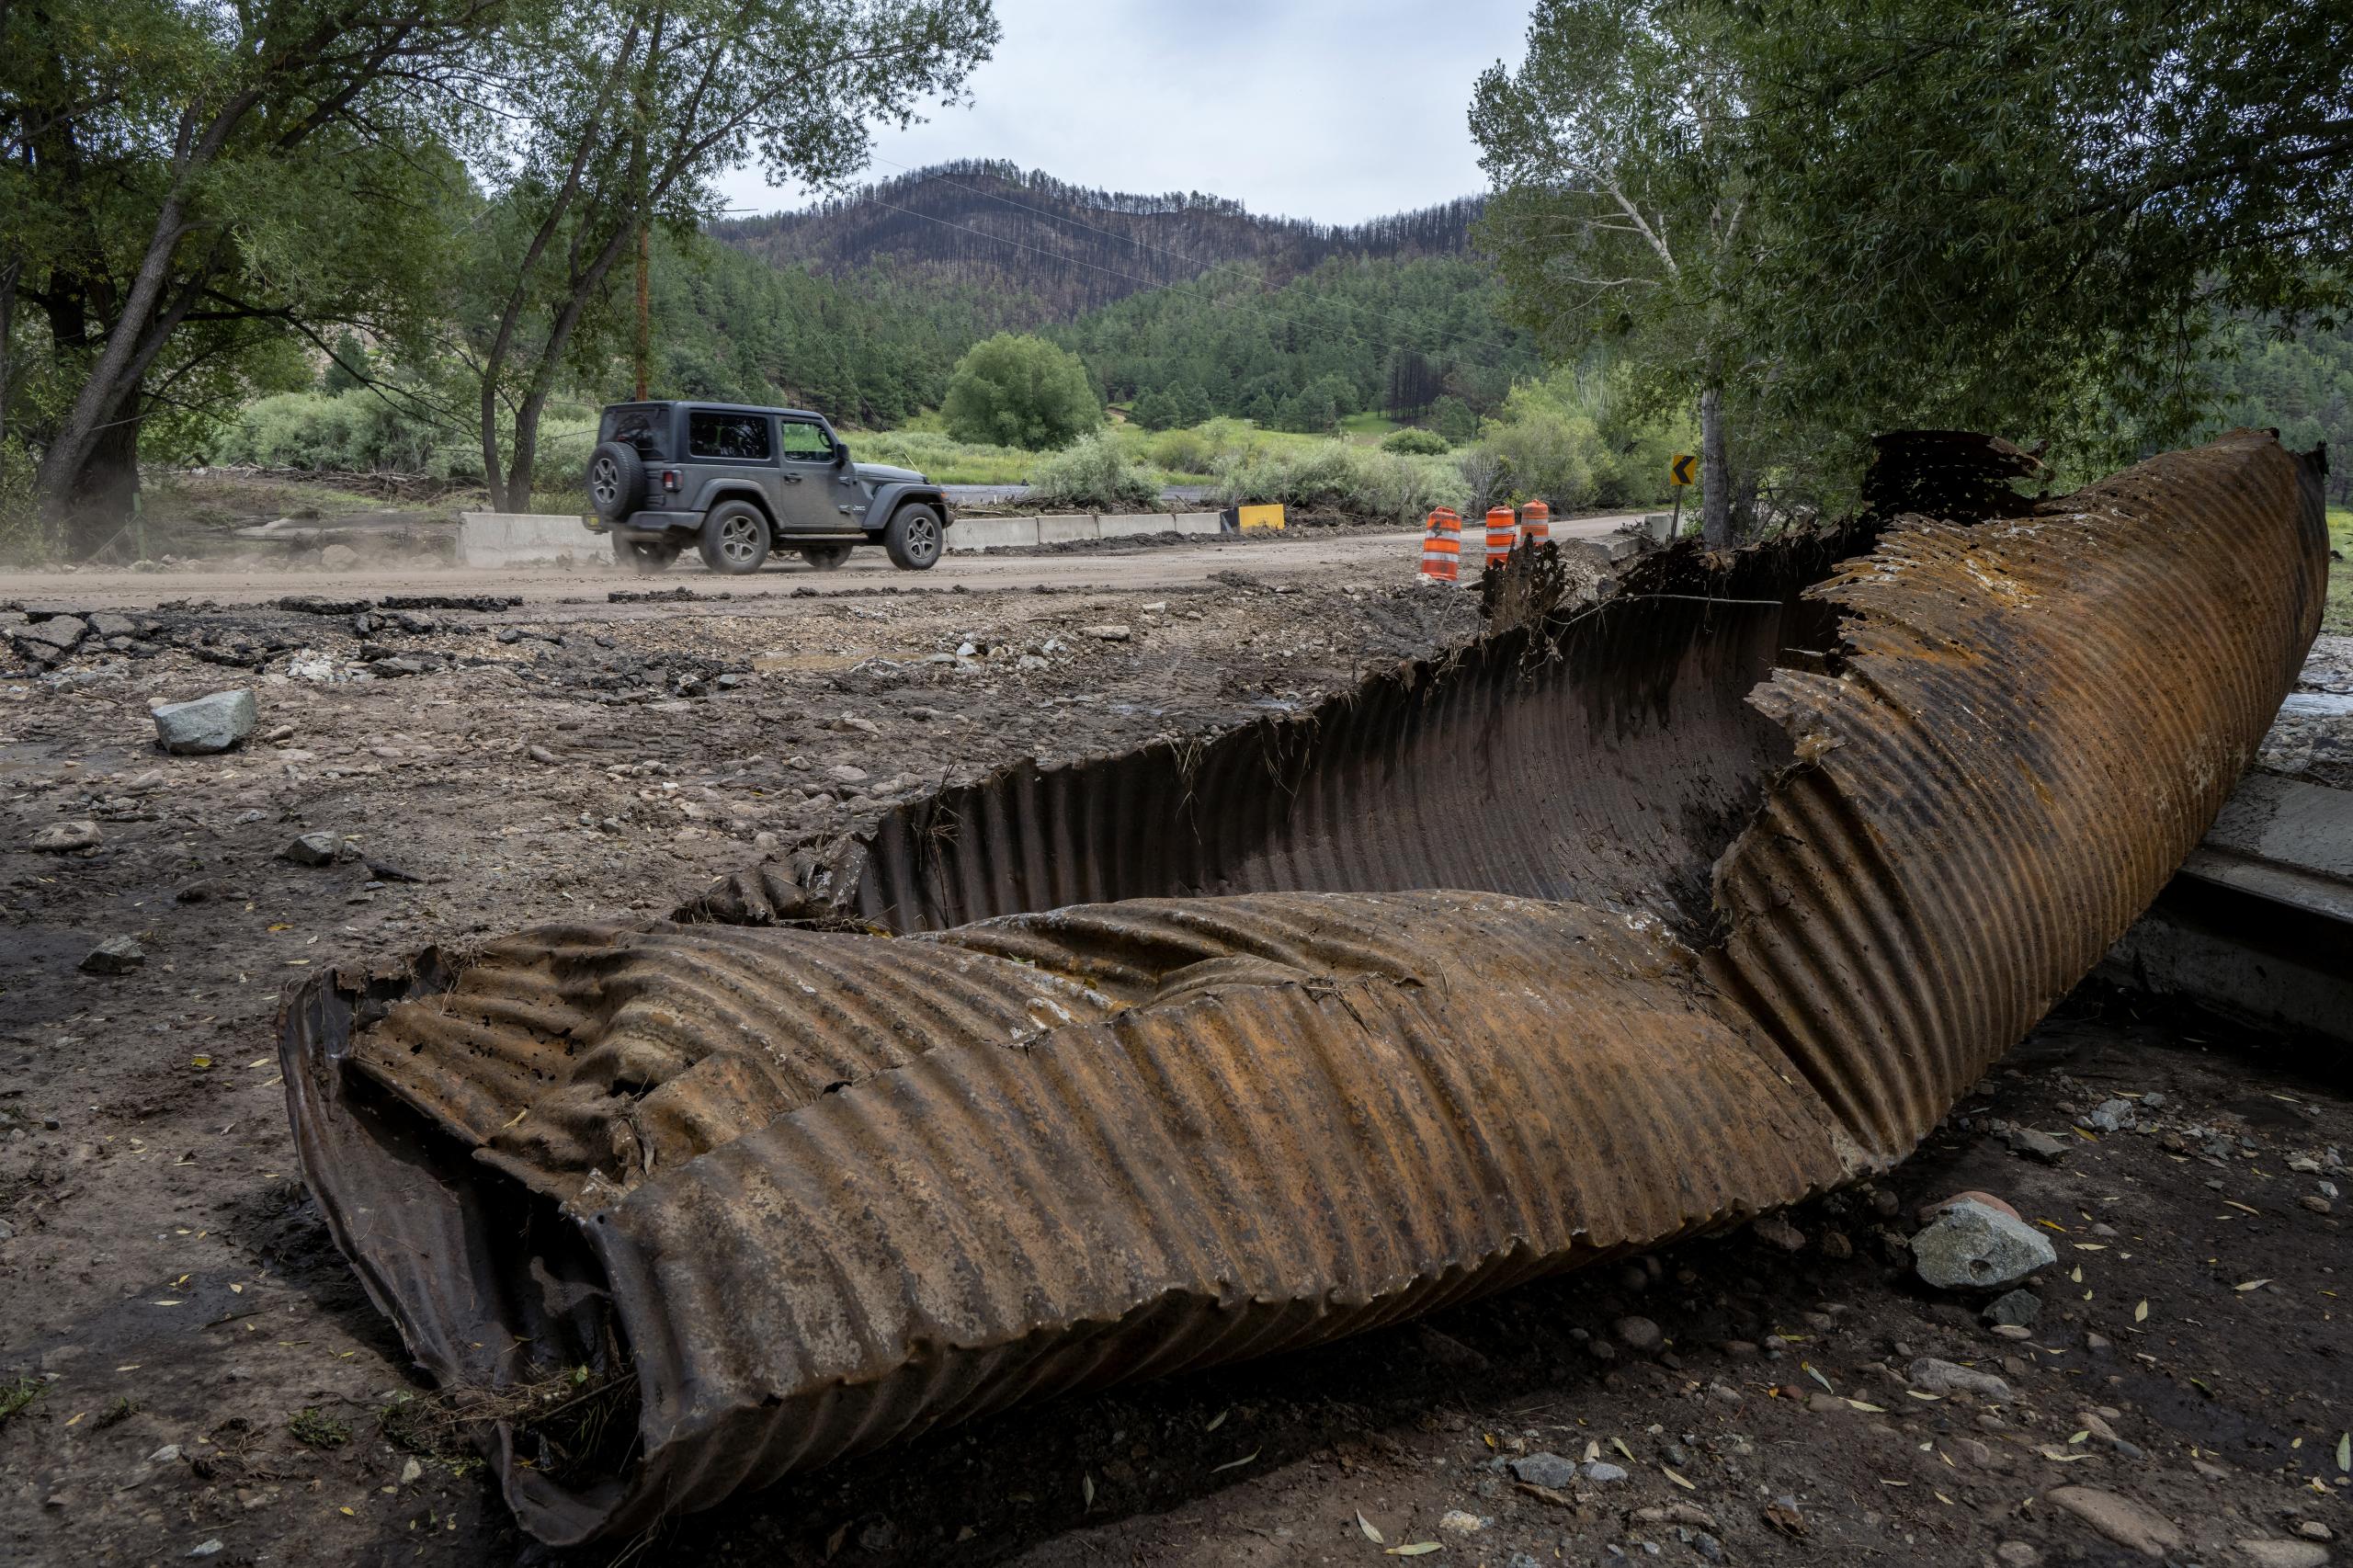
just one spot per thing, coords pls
(627, 114)
(1621, 216)
(2036, 218)
(188, 183)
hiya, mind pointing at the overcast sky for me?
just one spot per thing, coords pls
(1307, 108)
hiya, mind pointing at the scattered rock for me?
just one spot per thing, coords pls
(2012, 1331)
(1933, 1376)
(2127, 1523)
(2317, 1205)
(2313, 1529)
(2017, 1554)
(115, 955)
(1775, 1230)
(49, 638)
(2109, 1116)
(541, 753)
(205, 1549)
(106, 623)
(64, 837)
(842, 772)
(311, 850)
(2284, 1554)
(1454, 1521)
(1639, 1333)
(2041, 1146)
(1834, 1246)
(1601, 1471)
(1544, 1469)
(2015, 1308)
(1113, 634)
(206, 725)
(1928, 1211)
(1970, 1246)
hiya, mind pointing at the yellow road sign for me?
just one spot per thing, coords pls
(1679, 472)
(1250, 518)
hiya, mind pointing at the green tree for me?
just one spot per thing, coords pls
(1018, 391)
(2034, 218)
(1451, 417)
(185, 185)
(1621, 214)
(630, 113)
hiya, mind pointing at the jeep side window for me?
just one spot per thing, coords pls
(644, 429)
(729, 437)
(803, 442)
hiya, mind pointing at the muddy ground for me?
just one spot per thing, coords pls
(190, 1372)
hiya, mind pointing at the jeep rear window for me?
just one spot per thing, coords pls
(647, 429)
(731, 438)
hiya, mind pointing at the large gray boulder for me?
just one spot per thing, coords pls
(208, 724)
(1971, 1246)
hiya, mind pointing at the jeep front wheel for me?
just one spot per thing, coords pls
(913, 536)
(735, 537)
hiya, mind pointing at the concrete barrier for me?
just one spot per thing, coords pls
(1134, 523)
(527, 538)
(992, 533)
(1196, 523)
(1070, 526)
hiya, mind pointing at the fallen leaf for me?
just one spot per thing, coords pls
(1558, 1499)
(2141, 1312)
(1676, 1479)
(2089, 1246)
(1418, 1549)
(1810, 1372)
(1619, 1444)
(2242, 1207)
(1370, 1534)
(2252, 1285)
(1218, 1419)
(1873, 1409)
(1086, 1489)
(1915, 1394)
(1230, 1464)
(2344, 1451)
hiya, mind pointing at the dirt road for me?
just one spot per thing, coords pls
(1392, 556)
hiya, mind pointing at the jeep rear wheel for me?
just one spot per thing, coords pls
(914, 537)
(736, 537)
(825, 557)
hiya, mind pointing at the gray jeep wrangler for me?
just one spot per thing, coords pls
(737, 483)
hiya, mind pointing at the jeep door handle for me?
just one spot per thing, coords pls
(792, 478)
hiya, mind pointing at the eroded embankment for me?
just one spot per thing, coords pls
(1742, 878)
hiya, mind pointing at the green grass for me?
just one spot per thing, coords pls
(2338, 614)
(17, 1394)
(1367, 427)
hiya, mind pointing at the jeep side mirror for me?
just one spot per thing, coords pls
(841, 453)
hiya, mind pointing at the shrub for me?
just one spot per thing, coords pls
(1334, 476)
(1567, 439)
(1183, 451)
(1016, 391)
(355, 430)
(1092, 475)
(1453, 418)
(1414, 443)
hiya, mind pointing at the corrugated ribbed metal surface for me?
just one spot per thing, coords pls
(798, 1194)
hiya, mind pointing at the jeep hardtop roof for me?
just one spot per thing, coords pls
(721, 407)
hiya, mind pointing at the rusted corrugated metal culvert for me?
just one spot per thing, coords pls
(1184, 1056)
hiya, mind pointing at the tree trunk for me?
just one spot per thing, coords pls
(101, 501)
(1715, 473)
(7, 342)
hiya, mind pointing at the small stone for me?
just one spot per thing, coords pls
(842, 772)
(1031, 662)
(1454, 1521)
(2012, 1331)
(2041, 1146)
(2284, 1554)
(2128, 1524)
(1601, 1471)
(2096, 1343)
(1775, 1230)
(205, 1549)
(338, 558)
(1835, 1244)
(1110, 634)
(311, 850)
(1544, 1469)
(55, 635)
(106, 623)
(2109, 1116)
(64, 837)
(2015, 1307)
(164, 1454)
(115, 955)
(2317, 1205)
(2017, 1554)
(1639, 1333)
(2313, 1529)
(206, 725)
(1971, 1246)
(540, 755)
(1928, 1211)
(1933, 1376)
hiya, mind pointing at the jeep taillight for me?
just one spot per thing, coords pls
(669, 479)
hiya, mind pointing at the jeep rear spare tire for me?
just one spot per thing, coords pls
(915, 536)
(736, 537)
(616, 480)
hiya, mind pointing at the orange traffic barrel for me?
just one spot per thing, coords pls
(1442, 547)
(1535, 523)
(1503, 532)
